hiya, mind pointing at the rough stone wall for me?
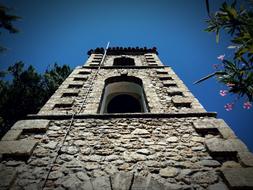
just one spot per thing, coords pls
(178, 152)
(165, 92)
(177, 145)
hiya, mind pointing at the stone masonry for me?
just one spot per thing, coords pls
(174, 145)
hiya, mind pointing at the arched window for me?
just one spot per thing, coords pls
(123, 61)
(123, 94)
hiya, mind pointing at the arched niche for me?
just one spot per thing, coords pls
(123, 94)
(123, 61)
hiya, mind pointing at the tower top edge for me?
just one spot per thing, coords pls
(124, 50)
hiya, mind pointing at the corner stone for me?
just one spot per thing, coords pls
(140, 132)
(169, 172)
(146, 183)
(216, 145)
(7, 176)
(12, 135)
(17, 148)
(31, 125)
(239, 178)
(121, 181)
(245, 158)
(101, 183)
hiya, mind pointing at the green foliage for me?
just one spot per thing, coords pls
(27, 91)
(54, 77)
(238, 72)
(6, 21)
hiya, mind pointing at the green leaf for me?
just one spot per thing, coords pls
(217, 36)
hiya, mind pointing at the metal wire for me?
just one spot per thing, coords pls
(73, 117)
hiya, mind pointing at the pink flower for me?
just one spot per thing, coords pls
(247, 105)
(221, 57)
(223, 92)
(229, 106)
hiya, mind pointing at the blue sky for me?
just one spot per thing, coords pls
(63, 31)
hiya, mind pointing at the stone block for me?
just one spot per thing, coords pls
(32, 125)
(101, 183)
(152, 64)
(204, 124)
(226, 132)
(161, 71)
(214, 125)
(71, 91)
(182, 101)
(164, 77)
(140, 132)
(94, 64)
(121, 181)
(218, 186)
(223, 147)
(174, 92)
(146, 183)
(20, 148)
(169, 83)
(239, 178)
(7, 177)
(76, 83)
(245, 158)
(12, 135)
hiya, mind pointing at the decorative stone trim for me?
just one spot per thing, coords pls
(169, 83)
(39, 125)
(19, 148)
(182, 101)
(220, 147)
(245, 158)
(239, 178)
(126, 115)
(12, 135)
(214, 125)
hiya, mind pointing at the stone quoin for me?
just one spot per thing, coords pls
(122, 121)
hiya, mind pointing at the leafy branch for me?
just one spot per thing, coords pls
(236, 74)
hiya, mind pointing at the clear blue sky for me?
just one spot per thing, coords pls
(63, 31)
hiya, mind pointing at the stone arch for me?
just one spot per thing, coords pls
(123, 94)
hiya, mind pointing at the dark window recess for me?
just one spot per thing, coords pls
(63, 105)
(207, 131)
(162, 72)
(175, 93)
(84, 72)
(79, 79)
(170, 84)
(69, 94)
(123, 61)
(183, 104)
(75, 86)
(165, 78)
(124, 104)
(151, 61)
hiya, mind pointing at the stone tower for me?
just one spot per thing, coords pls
(123, 120)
